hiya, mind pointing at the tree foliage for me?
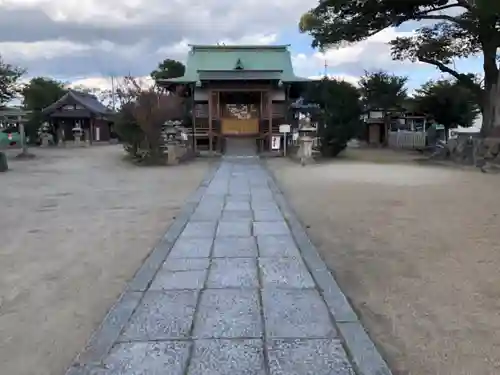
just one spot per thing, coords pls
(448, 102)
(340, 111)
(461, 28)
(9, 80)
(168, 68)
(382, 90)
(40, 92)
(141, 117)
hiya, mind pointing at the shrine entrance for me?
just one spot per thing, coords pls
(239, 119)
(240, 113)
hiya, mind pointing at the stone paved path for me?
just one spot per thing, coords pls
(234, 296)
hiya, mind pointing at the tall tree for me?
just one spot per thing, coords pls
(9, 81)
(168, 68)
(448, 102)
(462, 28)
(382, 90)
(41, 92)
(340, 111)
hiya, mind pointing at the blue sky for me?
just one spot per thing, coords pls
(87, 41)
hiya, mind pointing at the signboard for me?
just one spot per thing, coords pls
(284, 128)
(276, 142)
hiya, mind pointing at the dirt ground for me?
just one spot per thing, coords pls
(417, 251)
(75, 225)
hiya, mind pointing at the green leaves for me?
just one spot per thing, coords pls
(463, 28)
(340, 113)
(449, 102)
(382, 90)
(41, 92)
(168, 68)
(334, 22)
(9, 79)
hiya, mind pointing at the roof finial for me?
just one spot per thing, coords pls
(239, 65)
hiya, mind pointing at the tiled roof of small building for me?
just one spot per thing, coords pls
(88, 101)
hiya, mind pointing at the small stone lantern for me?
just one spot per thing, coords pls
(172, 137)
(77, 134)
(45, 135)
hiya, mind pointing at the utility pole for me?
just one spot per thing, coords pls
(113, 101)
(325, 73)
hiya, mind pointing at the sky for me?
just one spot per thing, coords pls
(85, 42)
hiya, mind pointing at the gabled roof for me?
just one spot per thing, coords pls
(88, 101)
(222, 62)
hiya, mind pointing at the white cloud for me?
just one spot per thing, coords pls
(180, 49)
(104, 37)
(341, 77)
(349, 61)
(106, 83)
(41, 49)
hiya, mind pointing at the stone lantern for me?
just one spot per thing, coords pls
(45, 135)
(172, 136)
(77, 134)
(307, 133)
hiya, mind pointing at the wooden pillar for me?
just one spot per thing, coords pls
(193, 115)
(92, 125)
(270, 115)
(210, 114)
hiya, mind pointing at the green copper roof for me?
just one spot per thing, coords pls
(238, 62)
(231, 75)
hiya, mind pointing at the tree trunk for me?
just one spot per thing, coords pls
(491, 112)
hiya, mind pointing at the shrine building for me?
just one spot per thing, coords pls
(238, 92)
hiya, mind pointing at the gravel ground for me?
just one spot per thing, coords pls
(417, 250)
(75, 224)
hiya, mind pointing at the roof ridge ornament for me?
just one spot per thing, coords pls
(239, 65)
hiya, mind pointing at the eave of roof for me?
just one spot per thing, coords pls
(87, 101)
(239, 47)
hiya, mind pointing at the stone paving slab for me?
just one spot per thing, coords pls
(146, 358)
(162, 316)
(285, 273)
(228, 357)
(296, 313)
(235, 247)
(303, 356)
(270, 228)
(186, 279)
(191, 248)
(235, 287)
(237, 215)
(228, 313)
(280, 246)
(240, 228)
(233, 273)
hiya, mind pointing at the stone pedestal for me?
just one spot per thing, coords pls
(172, 158)
(45, 140)
(87, 137)
(305, 149)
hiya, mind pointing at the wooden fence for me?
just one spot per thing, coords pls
(407, 139)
